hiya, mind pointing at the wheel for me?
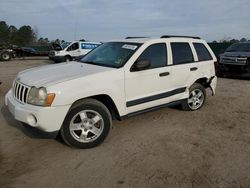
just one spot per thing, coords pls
(5, 56)
(197, 97)
(86, 125)
(67, 58)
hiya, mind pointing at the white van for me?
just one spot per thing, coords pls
(72, 50)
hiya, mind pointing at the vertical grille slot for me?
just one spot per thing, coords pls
(18, 89)
(20, 92)
(25, 95)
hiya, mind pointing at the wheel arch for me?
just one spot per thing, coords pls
(204, 81)
(103, 98)
(68, 56)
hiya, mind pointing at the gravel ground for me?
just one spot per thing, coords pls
(164, 148)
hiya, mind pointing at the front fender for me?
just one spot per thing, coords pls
(69, 92)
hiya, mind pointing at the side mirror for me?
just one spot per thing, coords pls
(140, 65)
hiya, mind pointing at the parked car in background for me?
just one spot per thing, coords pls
(117, 80)
(235, 60)
(69, 51)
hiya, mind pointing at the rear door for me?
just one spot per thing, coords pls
(184, 67)
(205, 60)
(148, 88)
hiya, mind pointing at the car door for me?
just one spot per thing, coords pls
(184, 67)
(150, 87)
(74, 50)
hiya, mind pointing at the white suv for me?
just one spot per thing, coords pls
(116, 80)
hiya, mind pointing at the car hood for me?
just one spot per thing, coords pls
(57, 73)
(237, 54)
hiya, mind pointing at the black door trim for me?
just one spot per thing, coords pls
(155, 97)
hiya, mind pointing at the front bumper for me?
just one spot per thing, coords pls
(47, 119)
(235, 66)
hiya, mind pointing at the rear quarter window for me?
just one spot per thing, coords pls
(202, 52)
(182, 53)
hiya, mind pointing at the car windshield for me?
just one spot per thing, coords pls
(65, 45)
(240, 47)
(111, 54)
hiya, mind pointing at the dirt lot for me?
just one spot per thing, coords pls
(164, 148)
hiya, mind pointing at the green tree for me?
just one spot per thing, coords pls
(4, 33)
(12, 34)
(25, 35)
(243, 40)
(234, 40)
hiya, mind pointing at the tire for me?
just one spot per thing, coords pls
(68, 58)
(86, 125)
(197, 98)
(5, 56)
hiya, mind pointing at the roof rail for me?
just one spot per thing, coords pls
(174, 36)
(135, 37)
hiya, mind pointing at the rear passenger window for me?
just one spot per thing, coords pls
(202, 52)
(156, 54)
(182, 53)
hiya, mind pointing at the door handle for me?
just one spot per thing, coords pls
(193, 69)
(164, 74)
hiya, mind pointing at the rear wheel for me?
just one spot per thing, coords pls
(197, 97)
(5, 56)
(86, 125)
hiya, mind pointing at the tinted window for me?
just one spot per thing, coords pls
(111, 54)
(74, 46)
(156, 54)
(239, 47)
(202, 52)
(182, 53)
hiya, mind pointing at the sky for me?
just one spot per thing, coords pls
(100, 20)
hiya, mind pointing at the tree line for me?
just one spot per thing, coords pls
(231, 40)
(10, 35)
(26, 35)
(23, 36)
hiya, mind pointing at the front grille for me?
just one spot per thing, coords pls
(234, 60)
(20, 92)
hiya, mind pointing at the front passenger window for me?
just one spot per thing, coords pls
(74, 46)
(156, 54)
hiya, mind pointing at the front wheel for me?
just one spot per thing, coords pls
(86, 125)
(196, 99)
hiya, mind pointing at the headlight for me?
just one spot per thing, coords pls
(40, 97)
